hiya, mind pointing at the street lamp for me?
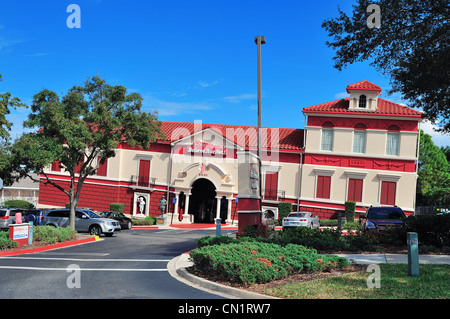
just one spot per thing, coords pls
(259, 40)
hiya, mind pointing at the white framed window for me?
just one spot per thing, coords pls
(327, 139)
(359, 141)
(392, 143)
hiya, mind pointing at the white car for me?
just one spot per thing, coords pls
(305, 219)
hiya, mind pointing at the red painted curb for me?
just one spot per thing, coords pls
(49, 247)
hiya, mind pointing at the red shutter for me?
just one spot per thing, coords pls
(78, 166)
(351, 189)
(271, 186)
(388, 192)
(55, 167)
(319, 190)
(323, 186)
(326, 186)
(102, 170)
(144, 173)
(355, 190)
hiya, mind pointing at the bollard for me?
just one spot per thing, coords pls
(413, 254)
(218, 227)
(30, 234)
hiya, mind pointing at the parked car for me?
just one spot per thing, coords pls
(379, 218)
(34, 215)
(85, 221)
(124, 221)
(268, 219)
(8, 216)
(305, 219)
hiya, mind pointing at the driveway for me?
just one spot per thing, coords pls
(132, 264)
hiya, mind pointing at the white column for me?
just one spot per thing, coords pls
(186, 216)
(218, 199)
(175, 209)
(229, 213)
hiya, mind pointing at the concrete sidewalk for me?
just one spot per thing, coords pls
(367, 259)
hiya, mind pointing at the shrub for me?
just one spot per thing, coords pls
(284, 209)
(51, 234)
(5, 242)
(17, 203)
(432, 230)
(251, 261)
(149, 220)
(116, 207)
(350, 208)
(215, 240)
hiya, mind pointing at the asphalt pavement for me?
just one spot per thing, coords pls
(176, 267)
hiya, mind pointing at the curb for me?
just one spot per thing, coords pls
(177, 269)
(50, 247)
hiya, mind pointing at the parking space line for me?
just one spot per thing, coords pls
(81, 259)
(67, 269)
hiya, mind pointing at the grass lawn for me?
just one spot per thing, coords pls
(432, 283)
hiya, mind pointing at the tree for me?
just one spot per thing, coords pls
(412, 46)
(80, 131)
(433, 184)
(7, 101)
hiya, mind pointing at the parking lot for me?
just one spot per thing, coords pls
(131, 264)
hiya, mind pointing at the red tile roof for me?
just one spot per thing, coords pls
(363, 85)
(385, 107)
(288, 139)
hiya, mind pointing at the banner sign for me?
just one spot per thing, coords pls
(207, 148)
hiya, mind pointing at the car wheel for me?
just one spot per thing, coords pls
(130, 225)
(95, 230)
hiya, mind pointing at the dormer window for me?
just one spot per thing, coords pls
(362, 102)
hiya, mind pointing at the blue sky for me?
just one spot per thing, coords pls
(190, 60)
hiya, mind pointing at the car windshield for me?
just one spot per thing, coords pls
(91, 214)
(385, 213)
(297, 215)
(3, 213)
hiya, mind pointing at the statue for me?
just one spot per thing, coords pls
(162, 205)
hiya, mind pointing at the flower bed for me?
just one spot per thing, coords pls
(251, 262)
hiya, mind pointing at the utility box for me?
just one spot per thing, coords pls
(249, 206)
(19, 233)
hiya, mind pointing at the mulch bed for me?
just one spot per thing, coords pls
(259, 288)
(38, 244)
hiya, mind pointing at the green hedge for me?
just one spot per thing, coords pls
(5, 242)
(17, 203)
(51, 234)
(284, 209)
(116, 207)
(350, 208)
(252, 261)
(323, 240)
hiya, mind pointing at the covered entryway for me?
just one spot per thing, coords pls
(202, 202)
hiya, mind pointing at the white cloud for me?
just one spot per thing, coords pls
(239, 98)
(205, 84)
(439, 139)
(341, 95)
(169, 108)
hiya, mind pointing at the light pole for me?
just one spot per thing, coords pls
(259, 40)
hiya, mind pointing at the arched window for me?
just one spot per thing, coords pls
(327, 136)
(362, 101)
(359, 138)
(393, 140)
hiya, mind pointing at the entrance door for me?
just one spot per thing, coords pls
(202, 202)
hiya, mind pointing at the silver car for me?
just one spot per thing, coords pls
(8, 217)
(305, 219)
(85, 221)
